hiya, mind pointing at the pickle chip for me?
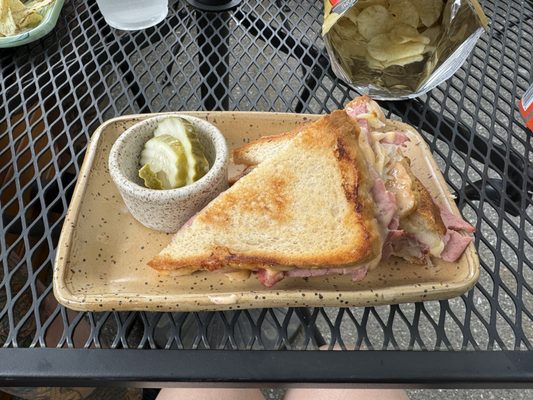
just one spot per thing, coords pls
(150, 178)
(183, 130)
(164, 163)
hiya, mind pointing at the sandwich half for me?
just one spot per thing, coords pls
(306, 210)
(416, 227)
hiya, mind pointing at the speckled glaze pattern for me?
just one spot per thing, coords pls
(102, 253)
(167, 210)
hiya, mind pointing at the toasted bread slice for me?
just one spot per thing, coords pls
(263, 148)
(425, 223)
(308, 206)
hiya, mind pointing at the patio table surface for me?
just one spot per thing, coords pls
(261, 56)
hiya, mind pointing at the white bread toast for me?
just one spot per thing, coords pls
(263, 148)
(308, 206)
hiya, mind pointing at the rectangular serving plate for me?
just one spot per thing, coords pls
(102, 253)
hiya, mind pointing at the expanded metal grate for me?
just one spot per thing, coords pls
(266, 56)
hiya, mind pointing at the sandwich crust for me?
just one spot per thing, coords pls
(427, 213)
(253, 153)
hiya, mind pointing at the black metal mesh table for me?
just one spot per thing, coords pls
(266, 56)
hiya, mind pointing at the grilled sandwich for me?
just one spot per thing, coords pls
(336, 196)
(417, 228)
(306, 210)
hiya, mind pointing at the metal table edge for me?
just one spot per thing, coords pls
(222, 368)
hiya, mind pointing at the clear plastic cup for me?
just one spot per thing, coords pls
(131, 15)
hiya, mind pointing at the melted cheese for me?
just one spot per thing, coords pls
(372, 118)
(401, 185)
(382, 157)
(366, 148)
(241, 275)
(390, 136)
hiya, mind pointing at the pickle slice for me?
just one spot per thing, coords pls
(164, 163)
(150, 178)
(183, 130)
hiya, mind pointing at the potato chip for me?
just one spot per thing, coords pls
(30, 20)
(348, 46)
(429, 49)
(346, 35)
(346, 28)
(24, 16)
(4, 6)
(374, 20)
(428, 10)
(403, 61)
(405, 12)
(8, 26)
(362, 4)
(402, 33)
(351, 53)
(382, 48)
(374, 64)
(354, 50)
(385, 32)
(433, 34)
(16, 6)
(39, 5)
(16, 16)
(352, 14)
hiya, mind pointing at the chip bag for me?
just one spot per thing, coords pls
(398, 49)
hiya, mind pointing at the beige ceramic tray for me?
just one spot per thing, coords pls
(102, 253)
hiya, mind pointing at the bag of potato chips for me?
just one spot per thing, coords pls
(398, 49)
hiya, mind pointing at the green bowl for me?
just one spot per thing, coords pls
(50, 16)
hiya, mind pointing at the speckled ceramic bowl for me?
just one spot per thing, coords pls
(167, 210)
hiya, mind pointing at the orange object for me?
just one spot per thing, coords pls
(525, 105)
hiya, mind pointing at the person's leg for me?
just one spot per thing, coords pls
(292, 394)
(345, 394)
(210, 394)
